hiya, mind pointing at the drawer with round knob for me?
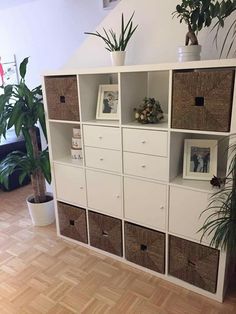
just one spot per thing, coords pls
(102, 137)
(105, 159)
(152, 167)
(145, 142)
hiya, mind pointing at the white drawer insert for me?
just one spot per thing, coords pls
(103, 159)
(145, 141)
(146, 166)
(102, 137)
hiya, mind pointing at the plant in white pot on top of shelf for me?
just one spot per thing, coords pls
(117, 44)
(23, 109)
(198, 14)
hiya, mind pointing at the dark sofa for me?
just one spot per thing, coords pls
(8, 145)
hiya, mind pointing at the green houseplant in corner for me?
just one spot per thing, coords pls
(23, 109)
(221, 221)
(117, 44)
(197, 14)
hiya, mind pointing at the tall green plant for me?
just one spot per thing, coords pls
(112, 41)
(22, 109)
(221, 222)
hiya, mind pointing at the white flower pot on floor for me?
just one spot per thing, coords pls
(42, 214)
(118, 58)
(189, 53)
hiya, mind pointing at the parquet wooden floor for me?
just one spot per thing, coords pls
(40, 273)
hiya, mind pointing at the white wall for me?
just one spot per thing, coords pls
(154, 41)
(48, 31)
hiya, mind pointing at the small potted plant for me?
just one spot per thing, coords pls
(23, 109)
(199, 14)
(117, 44)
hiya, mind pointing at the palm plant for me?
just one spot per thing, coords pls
(221, 222)
(22, 109)
(112, 41)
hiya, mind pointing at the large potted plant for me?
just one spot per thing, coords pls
(197, 14)
(23, 109)
(221, 221)
(117, 44)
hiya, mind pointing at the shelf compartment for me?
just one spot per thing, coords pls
(89, 87)
(194, 263)
(72, 222)
(202, 99)
(105, 233)
(62, 97)
(61, 140)
(145, 247)
(136, 86)
(177, 159)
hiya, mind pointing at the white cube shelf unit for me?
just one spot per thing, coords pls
(129, 185)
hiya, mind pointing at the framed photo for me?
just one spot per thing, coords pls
(200, 159)
(108, 102)
(109, 4)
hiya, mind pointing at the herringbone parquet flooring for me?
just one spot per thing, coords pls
(40, 273)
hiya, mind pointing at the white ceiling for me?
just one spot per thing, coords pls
(5, 4)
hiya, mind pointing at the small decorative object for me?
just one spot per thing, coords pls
(76, 132)
(200, 159)
(149, 111)
(108, 102)
(217, 182)
(76, 150)
(117, 44)
(76, 154)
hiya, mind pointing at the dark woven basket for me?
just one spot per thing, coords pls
(72, 222)
(194, 263)
(62, 98)
(202, 100)
(105, 233)
(145, 247)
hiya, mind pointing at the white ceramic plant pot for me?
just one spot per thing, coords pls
(42, 214)
(189, 53)
(118, 58)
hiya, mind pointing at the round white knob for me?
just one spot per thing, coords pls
(81, 187)
(101, 159)
(143, 142)
(117, 196)
(143, 166)
(162, 207)
(100, 137)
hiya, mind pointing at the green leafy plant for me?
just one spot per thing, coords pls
(22, 109)
(198, 14)
(112, 41)
(221, 222)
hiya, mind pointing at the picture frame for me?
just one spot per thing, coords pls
(200, 159)
(108, 102)
(109, 4)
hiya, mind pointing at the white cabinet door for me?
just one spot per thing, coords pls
(146, 166)
(185, 208)
(102, 137)
(70, 184)
(145, 142)
(145, 202)
(103, 158)
(104, 192)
